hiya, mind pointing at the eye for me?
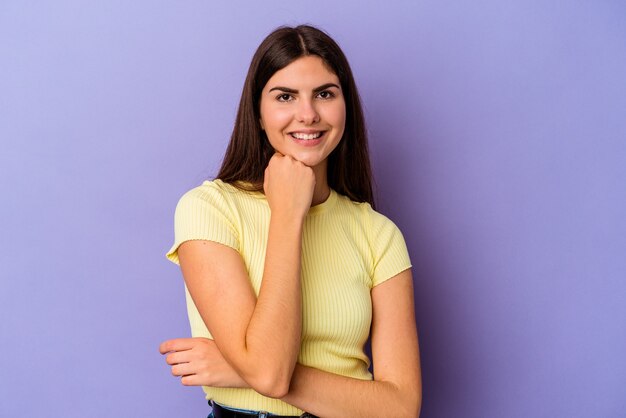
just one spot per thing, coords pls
(284, 97)
(325, 95)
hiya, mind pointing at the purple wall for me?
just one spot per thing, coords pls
(498, 133)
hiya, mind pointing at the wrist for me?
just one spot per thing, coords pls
(286, 218)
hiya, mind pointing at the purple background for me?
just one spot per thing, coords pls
(498, 134)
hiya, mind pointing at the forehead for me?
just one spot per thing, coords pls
(306, 72)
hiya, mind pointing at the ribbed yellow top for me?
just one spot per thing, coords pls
(347, 248)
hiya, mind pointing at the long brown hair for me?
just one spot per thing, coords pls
(249, 150)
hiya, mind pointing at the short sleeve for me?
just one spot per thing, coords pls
(390, 253)
(203, 214)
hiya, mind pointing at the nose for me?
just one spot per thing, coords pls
(306, 112)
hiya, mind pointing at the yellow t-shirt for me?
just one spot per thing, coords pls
(347, 249)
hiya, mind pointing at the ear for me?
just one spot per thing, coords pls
(261, 123)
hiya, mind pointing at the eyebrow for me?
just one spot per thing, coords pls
(315, 90)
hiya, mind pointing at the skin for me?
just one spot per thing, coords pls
(303, 98)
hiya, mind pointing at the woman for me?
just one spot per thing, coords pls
(284, 259)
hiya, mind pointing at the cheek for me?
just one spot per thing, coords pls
(337, 116)
(275, 119)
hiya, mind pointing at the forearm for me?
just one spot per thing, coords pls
(250, 332)
(272, 338)
(329, 395)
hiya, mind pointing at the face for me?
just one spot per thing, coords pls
(303, 111)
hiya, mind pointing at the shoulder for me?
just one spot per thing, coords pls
(381, 223)
(211, 193)
(206, 212)
(207, 203)
(208, 190)
(364, 213)
(385, 251)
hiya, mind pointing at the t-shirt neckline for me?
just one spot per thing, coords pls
(325, 205)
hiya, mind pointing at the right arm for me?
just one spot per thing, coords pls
(395, 391)
(258, 337)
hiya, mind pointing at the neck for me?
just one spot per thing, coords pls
(322, 189)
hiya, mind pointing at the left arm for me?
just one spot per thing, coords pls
(396, 390)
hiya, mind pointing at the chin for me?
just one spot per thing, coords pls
(307, 160)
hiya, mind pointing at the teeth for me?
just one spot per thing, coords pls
(306, 136)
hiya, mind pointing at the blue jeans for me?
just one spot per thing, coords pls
(236, 410)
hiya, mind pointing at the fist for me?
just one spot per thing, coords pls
(288, 186)
(198, 362)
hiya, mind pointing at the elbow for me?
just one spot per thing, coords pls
(411, 410)
(414, 409)
(268, 376)
(274, 391)
(409, 403)
(412, 405)
(272, 385)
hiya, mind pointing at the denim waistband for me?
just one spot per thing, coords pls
(260, 414)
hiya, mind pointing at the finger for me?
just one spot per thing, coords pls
(191, 380)
(276, 156)
(178, 357)
(182, 369)
(177, 344)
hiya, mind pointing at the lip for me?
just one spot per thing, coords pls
(306, 131)
(308, 142)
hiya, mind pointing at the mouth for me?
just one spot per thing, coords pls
(307, 136)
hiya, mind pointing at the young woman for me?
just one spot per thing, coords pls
(288, 268)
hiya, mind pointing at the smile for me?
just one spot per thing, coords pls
(307, 137)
